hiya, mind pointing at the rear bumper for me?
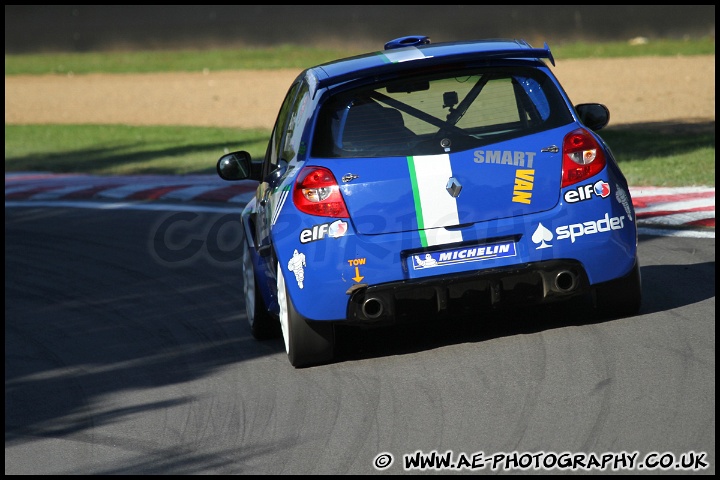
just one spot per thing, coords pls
(520, 285)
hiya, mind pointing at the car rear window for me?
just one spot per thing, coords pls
(431, 114)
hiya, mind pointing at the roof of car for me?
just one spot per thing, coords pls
(406, 52)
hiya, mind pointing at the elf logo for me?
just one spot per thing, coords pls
(524, 181)
(336, 229)
(586, 192)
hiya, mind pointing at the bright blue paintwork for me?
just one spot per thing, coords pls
(384, 226)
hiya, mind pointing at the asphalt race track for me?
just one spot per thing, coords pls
(121, 358)
(127, 352)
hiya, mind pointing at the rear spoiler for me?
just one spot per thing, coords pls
(380, 67)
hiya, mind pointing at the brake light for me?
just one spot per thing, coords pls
(582, 157)
(316, 192)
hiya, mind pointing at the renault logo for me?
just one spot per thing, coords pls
(453, 187)
(349, 177)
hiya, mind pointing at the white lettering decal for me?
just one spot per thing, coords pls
(575, 230)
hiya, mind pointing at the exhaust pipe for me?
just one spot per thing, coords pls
(372, 308)
(565, 281)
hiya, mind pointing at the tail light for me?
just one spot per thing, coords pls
(582, 157)
(316, 192)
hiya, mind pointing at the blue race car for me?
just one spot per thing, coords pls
(431, 174)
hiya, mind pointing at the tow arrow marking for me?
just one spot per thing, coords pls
(357, 276)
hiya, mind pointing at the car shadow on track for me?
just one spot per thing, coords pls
(427, 332)
(691, 284)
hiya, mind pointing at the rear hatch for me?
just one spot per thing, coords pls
(401, 194)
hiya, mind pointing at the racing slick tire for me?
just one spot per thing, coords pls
(621, 297)
(306, 343)
(262, 325)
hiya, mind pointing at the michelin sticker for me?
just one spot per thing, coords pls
(297, 266)
(463, 255)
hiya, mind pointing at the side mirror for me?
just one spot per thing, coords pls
(593, 115)
(235, 166)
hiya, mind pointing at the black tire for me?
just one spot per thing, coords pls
(621, 297)
(262, 325)
(306, 343)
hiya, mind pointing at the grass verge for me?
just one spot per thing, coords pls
(646, 157)
(651, 155)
